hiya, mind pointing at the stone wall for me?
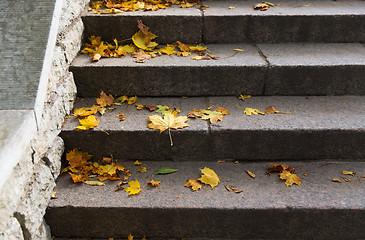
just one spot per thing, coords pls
(26, 193)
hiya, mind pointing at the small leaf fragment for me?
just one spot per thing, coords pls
(336, 180)
(54, 195)
(137, 163)
(134, 188)
(166, 170)
(243, 97)
(142, 169)
(94, 183)
(194, 184)
(231, 7)
(162, 109)
(154, 183)
(251, 174)
(121, 117)
(130, 237)
(348, 173)
(347, 179)
(139, 106)
(238, 50)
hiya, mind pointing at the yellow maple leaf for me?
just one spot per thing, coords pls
(88, 123)
(134, 188)
(105, 100)
(212, 116)
(169, 121)
(252, 111)
(79, 178)
(209, 177)
(198, 48)
(77, 158)
(194, 184)
(132, 100)
(154, 183)
(290, 178)
(169, 50)
(86, 111)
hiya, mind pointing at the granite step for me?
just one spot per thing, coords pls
(321, 127)
(266, 209)
(291, 21)
(262, 69)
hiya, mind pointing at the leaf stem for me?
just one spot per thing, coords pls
(170, 138)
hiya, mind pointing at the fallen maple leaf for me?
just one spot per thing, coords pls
(88, 123)
(105, 100)
(209, 177)
(279, 168)
(154, 183)
(79, 178)
(134, 188)
(139, 106)
(212, 116)
(272, 110)
(86, 111)
(77, 159)
(194, 184)
(144, 29)
(261, 6)
(290, 178)
(169, 121)
(163, 109)
(252, 111)
(140, 56)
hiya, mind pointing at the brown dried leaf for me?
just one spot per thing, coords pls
(105, 100)
(154, 183)
(194, 184)
(140, 56)
(144, 29)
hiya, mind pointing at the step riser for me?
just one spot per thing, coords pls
(284, 223)
(170, 81)
(220, 144)
(220, 81)
(276, 29)
(246, 28)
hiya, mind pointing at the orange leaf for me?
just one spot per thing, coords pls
(105, 100)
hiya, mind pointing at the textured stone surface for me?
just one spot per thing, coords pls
(321, 127)
(318, 209)
(71, 10)
(315, 69)
(172, 75)
(172, 24)
(23, 43)
(12, 231)
(292, 21)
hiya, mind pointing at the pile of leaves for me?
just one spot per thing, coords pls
(119, 6)
(81, 169)
(86, 114)
(142, 48)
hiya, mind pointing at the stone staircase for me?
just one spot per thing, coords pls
(302, 56)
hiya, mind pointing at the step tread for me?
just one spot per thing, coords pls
(263, 192)
(311, 113)
(286, 8)
(288, 69)
(321, 127)
(268, 207)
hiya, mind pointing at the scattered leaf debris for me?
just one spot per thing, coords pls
(348, 173)
(251, 174)
(336, 180)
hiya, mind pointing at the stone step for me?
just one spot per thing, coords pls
(291, 21)
(263, 69)
(266, 209)
(320, 128)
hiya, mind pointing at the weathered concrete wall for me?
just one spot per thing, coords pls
(26, 193)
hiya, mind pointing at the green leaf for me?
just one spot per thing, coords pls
(162, 109)
(270, 4)
(166, 170)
